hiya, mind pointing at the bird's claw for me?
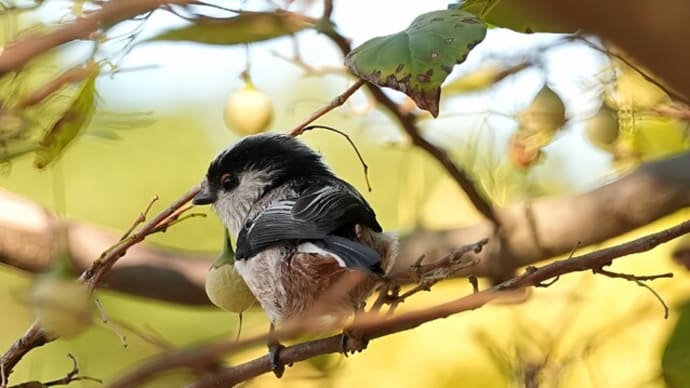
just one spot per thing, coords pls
(352, 342)
(273, 354)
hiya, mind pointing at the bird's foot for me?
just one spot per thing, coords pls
(274, 348)
(352, 342)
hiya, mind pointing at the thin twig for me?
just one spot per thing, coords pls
(408, 122)
(639, 280)
(677, 111)
(343, 134)
(373, 326)
(340, 100)
(35, 337)
(636, 68)
(17, 54)
(327, 10)
(106, 321)
(141, 218)
(71, 376)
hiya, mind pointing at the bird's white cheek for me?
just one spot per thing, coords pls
(233, 206)
(232, 211)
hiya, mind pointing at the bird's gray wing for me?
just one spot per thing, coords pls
(313, 217)
(339, 203)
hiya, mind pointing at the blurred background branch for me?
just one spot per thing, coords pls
(534, 231)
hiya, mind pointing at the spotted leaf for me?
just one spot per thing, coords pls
(418, 59)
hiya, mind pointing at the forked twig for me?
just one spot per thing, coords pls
(640, 281)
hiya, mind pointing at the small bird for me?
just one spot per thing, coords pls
(298, 228)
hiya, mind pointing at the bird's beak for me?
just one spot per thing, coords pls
(205, 196)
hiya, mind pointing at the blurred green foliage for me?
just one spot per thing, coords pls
(107, 182)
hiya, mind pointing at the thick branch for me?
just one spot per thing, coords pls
(554, 226)
(375, 326)
(548, 227)
(654, 34)
(28, 240)
(35, 336)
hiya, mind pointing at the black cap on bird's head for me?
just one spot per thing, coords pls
(277, 157)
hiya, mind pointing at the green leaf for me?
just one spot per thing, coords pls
(675, 361)
(246, 27)
(72, 122)
(227, 256)
(511, 14)
(418, 59)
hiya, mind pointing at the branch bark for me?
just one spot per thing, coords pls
(35, 336)
(408, 122)
(534, 231)
(18, 53)
(28, 241)
(653, 34)
(372, 326)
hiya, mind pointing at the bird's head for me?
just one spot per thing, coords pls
(243, 172)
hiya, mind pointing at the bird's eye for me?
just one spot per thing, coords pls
(229, 181)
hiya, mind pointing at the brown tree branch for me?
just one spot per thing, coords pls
(655, 36)
(408, 123)
(549, 227)
(27, 238)
(18, 53)
(372, 326)
(35, 336)
(70, 377)
(338, 101)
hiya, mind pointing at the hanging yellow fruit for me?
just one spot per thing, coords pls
(248, 110)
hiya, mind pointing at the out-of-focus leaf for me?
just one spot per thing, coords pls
(418, 59)
(675, 361)
(72, 122)
(543, 117)
(247, 27)
(511, 14)
(106, 135)
(73, 75)
(482, 78)
(10, 152)
(13, 126)
(602, 128)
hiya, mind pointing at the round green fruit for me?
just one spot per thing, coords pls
(227, 290)
(61, 306)
(602, 128)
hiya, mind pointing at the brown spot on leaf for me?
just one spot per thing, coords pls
(399, 68)
(448, 40)
(434, 55)
(447, 69)
(426, 77)
(427, 99)
(470, 20)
